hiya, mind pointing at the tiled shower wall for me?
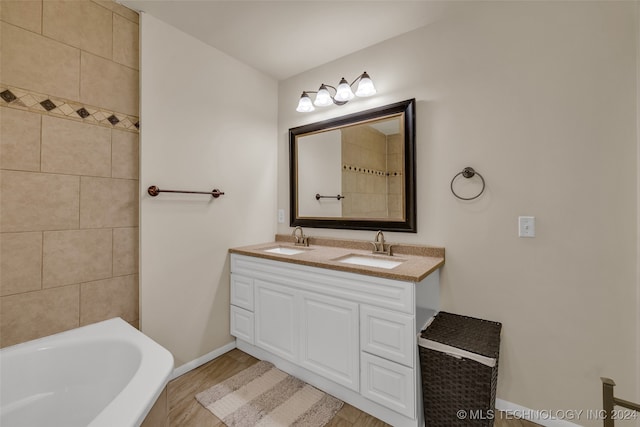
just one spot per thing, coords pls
(364, 179)
(395, 178)
(372, 173)
(69, 166)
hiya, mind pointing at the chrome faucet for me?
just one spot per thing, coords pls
(300, 239)
(379, 246)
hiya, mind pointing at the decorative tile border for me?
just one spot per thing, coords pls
(39, 103)
(360, 169)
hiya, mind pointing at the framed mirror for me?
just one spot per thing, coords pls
(355, 171)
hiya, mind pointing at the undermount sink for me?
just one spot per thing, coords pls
(283, 250)
(370, 261)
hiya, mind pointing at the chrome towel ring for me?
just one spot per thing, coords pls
(467, 172)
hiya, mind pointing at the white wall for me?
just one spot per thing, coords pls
(320, 172)
(207, 121)
(539, 97)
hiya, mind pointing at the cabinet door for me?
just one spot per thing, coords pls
(242, 324)
(388, 334)
(389, 384)
(242, 291)
(276, 319)
(329, 338)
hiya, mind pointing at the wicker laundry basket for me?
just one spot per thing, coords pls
(459, 364)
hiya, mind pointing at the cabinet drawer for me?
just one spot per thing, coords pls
(376, 291)
(242, 324)
(389, 384)
(242, 291)
(388, 334)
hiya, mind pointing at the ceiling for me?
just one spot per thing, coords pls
(285, 38)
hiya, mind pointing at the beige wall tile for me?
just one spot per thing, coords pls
(82, 24)
(124, 154)
(371, 183)
(348, 182)
(346, 206)
(75, 148)
(76, 256)
(361, 183)
(23, 13)
(396, 207)
(350, 154)
(394, 162)
(31, 315)
(361, 204)
(109, 85)
(395, 144)
(125, 42)
(378, 141)
(379, 184)
(379, 204)
(20, 142)
(379, 160)
(37, 201)
(119, 9)
(20, 262)
(125, 251)
(395, 185)
(108, 202)
(104, 299)
(38, 63)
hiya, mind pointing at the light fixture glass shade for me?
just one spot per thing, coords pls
(344, 92)
(323, 97)
(365, 86)
(305, 105)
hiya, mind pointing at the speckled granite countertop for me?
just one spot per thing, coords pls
(417, 261)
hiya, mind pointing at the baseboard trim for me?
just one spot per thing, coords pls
(539, 417)
(189, 366)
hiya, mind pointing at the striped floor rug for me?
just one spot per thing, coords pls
(264, 396)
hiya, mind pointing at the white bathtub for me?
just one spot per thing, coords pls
(106, 374)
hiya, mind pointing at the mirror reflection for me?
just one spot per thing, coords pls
(356, 171)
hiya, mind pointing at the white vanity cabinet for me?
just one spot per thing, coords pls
(351, 335)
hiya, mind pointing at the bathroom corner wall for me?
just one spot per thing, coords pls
(545, 108)
(69, 166)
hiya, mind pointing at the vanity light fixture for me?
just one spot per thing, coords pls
(343, 93)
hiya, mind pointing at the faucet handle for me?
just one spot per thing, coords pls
(301, 239)
(379, 247)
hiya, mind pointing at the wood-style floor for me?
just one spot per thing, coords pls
(185, 411)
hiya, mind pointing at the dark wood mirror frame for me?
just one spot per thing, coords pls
(408, 223)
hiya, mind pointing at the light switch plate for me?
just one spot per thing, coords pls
(526, 226)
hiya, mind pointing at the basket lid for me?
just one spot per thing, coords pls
(467, 333)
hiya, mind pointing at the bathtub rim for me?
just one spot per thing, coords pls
(133, 403)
